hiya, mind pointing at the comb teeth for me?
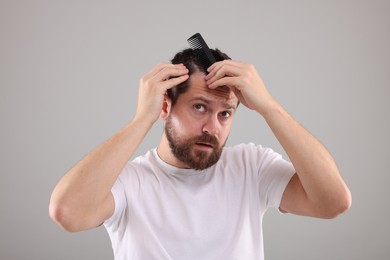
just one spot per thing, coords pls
(201, 50)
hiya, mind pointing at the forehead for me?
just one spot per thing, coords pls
(199, 89)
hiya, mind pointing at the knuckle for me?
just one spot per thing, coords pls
(250, 66)
(142, 80)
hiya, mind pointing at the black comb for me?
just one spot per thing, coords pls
(201, 50)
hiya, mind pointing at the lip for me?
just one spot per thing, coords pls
(204, 146)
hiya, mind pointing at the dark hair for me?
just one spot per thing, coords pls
(193, 64)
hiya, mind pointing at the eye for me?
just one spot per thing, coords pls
(225, 114)
(200, 107)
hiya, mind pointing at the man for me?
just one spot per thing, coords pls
(191, 197)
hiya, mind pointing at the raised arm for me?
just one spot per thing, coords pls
(82, 199)
(317, 189)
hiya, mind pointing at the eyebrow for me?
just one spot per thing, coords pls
(227, 105)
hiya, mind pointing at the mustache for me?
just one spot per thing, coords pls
(206, 138)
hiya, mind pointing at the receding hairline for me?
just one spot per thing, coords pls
(222, 94)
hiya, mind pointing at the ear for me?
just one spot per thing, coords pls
(166, 108)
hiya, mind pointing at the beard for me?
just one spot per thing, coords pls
(184, 149)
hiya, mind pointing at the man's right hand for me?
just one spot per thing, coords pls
(153, 87)
(82, 199)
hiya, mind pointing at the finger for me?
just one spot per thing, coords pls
(169, 72)
(217, 65)
(231, 68)
(174, 81)
(231, 82)
(212, 67)
(221, 63)
(223, 71)
(160, 67)
(156, 69)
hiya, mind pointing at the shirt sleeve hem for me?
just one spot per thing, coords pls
(283, 185)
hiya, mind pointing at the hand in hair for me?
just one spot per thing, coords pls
(153, 87)
(244, 80)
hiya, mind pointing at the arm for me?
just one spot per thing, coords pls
(82, 198)
(317, 189)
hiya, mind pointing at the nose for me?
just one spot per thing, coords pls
(211, 125)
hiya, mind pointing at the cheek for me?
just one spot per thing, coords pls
(224, 134)
(184, 126)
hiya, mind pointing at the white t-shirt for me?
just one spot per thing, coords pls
(163, 212)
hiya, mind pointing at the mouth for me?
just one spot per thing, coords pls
(205, 145)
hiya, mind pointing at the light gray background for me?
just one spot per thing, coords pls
(69, 74)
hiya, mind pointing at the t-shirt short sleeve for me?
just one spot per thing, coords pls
(118, 193)
(274, 174)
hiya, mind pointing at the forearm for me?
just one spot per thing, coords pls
(319, 189)
(82, 190)
(314, 165)
(82, 198)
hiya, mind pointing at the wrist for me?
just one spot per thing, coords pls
(143, 121)
(267, 110)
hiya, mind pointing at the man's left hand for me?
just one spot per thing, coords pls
(244, 81)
